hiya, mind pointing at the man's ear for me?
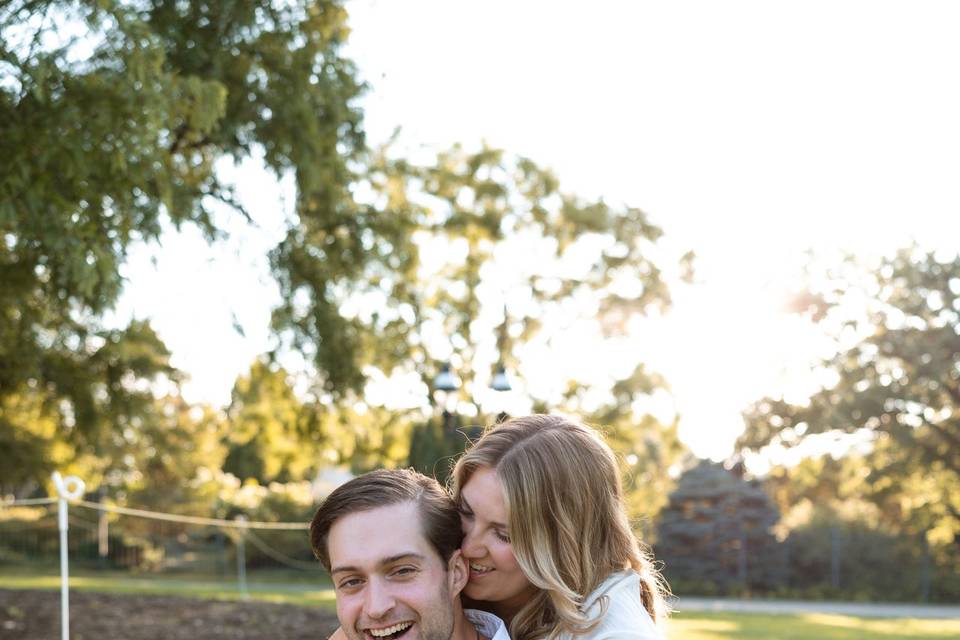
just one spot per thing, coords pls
(458, 572)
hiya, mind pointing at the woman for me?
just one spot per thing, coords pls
(547, 537)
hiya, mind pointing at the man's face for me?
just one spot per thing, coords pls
(389, 581)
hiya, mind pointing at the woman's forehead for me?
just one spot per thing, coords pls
(483, 493)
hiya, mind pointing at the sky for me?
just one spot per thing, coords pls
(751, 132)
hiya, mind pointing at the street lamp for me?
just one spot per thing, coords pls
(500, 381)
(445, 387)
(446, 384)
(445, 380)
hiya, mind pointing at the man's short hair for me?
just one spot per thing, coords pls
(439, 517)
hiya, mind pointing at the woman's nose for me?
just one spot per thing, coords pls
(472, 545)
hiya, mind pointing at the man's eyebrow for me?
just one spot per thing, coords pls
(345, 569)
(411, 555)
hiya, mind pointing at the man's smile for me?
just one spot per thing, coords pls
(391, 632)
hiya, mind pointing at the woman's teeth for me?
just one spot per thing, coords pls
(477, 568)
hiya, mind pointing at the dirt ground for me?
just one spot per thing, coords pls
(35, 615)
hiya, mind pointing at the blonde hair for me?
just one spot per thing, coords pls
(568, 525)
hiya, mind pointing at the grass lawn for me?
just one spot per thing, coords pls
(682, 626)
(268, 588)
(726, 626)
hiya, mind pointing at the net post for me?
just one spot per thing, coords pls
(241, 557)
(69, 488)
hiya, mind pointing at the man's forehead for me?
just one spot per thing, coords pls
(368, 537)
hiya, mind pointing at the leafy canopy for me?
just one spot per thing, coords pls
(897, 382)
(113, 117)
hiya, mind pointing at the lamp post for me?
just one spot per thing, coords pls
(445, 387)
(501, 383)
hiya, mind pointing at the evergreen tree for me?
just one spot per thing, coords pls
(715, 534)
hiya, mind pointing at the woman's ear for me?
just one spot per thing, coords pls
(458, 572)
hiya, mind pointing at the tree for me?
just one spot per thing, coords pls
(175, 446)
(266, 420)
(356, 435)
(86, 410)
(479, 252)
(106, 136)
(840, 543)
(435, 445)
(438, 250)
(896, 383)
(715, 534)
(647, 449)
(107, 139)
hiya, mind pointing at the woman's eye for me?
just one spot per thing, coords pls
(502, 537)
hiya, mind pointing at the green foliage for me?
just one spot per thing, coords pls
(432, 248)
(897, 381)
(266, 428)
(29, 442)
(646, 448)
(836, 559)
(435, 445)
(106, 137)
(358, 437)
(109, 138)
(174, 447)
(276, 502)
(91, 410)
(841, 544)
(716, 534)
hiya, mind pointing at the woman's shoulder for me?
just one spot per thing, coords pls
(624, 616)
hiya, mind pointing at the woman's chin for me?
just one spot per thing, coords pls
(476, 591)
(472, 592)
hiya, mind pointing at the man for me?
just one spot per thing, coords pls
(391, 542)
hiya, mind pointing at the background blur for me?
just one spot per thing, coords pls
(250, 248)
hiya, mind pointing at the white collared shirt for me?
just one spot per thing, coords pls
(487, 624)
(625, 618)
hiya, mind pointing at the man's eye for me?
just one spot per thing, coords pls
(404, 572)
(349, 583)
(466, 513)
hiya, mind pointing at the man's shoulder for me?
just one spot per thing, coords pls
(487, 624)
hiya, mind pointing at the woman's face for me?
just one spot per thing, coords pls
(495, 575)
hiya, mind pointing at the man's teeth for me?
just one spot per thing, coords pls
(379, 633)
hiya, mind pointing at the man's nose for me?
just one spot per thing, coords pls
(379, 599)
